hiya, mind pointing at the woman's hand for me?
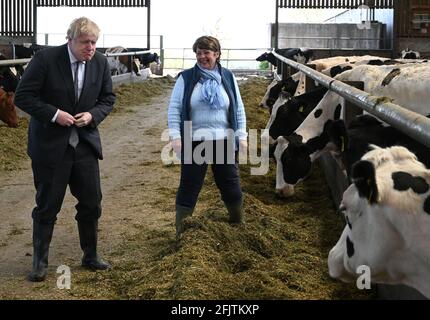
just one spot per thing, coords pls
(243, 149)
(176, 146)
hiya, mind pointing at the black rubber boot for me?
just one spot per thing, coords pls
(88, 240)
(181, 213)
(235, 212)
(42, 235)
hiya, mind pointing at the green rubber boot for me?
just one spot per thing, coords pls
(235, 212)
(181, 213)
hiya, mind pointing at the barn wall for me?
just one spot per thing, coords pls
(332, 35)
(384, 16)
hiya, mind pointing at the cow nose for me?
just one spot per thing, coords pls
(285, 192)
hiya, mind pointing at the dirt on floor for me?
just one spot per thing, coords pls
(279, 253)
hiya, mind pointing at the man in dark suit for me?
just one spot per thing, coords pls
(67, 90)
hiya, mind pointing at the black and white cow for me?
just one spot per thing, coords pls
(287, 86)
(409, 54)
(121, 64)
(363, 132)
(329, 66)
(300, 55)
(294, 154)
(289, 112)
(28, 51)
(10, 76)
(387, 213)
(146, 58)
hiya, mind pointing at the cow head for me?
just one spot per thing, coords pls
(294, 154)
(7, 109)
(268, 56)
(288, 86)
(387, 213)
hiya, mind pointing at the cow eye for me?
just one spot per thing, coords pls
(342, 209)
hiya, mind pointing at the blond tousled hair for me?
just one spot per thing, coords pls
(82, 26)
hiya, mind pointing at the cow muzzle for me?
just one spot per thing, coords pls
(285, 192)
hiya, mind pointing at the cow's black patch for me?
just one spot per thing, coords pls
(363, 176)
(320, 142)
(318, 113)
(427, 205)
(391, 62)
(296, 162)
(334, 71)
(349, 247)
(375, 62)
(394, 73)
(338, 135)
(337, 112)
(403, 181)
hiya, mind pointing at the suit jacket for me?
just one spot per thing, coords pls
(47, 85)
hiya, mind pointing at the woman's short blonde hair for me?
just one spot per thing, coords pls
(207, 43)
(82, 26)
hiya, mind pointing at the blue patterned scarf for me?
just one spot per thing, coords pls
(211, 87)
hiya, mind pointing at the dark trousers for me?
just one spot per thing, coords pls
(225, 173)
(80, 170)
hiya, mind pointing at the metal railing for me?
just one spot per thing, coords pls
(11, 62)
(185, 58)
(413, 124)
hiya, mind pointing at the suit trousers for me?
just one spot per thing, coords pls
(225, 174)
(79, 169)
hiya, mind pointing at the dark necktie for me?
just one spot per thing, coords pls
(75, 82)
(74, 136)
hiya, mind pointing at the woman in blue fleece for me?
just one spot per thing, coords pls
(207, 125)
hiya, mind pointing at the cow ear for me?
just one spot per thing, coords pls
(338, 135)
(363, 176)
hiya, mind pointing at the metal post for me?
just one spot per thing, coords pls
(46, 39)
(161, 55)
(34, 38)
(276, 28)
(183, 58)
(350, 111)
(148, 27)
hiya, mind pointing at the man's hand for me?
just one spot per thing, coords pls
(83, 119)
(176, 145)
(65, 119)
